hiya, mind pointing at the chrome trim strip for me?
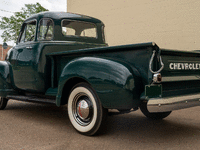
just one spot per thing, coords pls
(180, 78)
(173, 103)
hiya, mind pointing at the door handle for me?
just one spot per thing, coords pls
(29, 47)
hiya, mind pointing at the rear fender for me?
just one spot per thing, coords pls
(114, 82)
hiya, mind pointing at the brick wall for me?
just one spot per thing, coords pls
(171, 24)
(4, 52)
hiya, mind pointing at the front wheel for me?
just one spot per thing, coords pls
(3, 103)
(85, 110)
(154, 116)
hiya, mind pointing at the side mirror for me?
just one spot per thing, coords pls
(5, 46)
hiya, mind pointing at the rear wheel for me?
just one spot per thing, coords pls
(154, 116)
(85, 110)
(3, 103)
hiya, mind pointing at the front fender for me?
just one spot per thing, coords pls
(5, 82)
(114, 82)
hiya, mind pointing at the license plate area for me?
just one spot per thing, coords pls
(153, 91)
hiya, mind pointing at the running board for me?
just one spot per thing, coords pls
(32, 99)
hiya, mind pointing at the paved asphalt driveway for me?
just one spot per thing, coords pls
(30, 126)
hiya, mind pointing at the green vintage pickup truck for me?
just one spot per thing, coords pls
(63, 59)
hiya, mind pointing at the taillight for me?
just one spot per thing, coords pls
(157, 78)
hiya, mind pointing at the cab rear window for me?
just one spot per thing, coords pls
(78, 29)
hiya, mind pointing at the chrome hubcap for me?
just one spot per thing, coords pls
(82, 109)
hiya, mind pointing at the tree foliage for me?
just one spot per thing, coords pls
(11, 26)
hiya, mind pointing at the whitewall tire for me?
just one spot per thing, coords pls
(85, 110)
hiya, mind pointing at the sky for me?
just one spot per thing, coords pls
(7, 7)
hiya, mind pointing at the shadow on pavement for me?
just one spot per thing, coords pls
(126, 128)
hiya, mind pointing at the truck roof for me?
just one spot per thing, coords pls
(64, 15)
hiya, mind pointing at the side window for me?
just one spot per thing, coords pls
(45, 31)
(29, 32)
(78, 28)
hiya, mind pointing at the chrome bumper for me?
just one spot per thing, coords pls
(173, 103)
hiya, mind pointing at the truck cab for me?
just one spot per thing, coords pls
(49, 32)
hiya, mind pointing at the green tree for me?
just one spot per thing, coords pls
(11, 26)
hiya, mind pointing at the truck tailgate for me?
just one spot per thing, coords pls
(181, 74)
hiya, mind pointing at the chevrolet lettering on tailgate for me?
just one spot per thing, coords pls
(184, 66)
